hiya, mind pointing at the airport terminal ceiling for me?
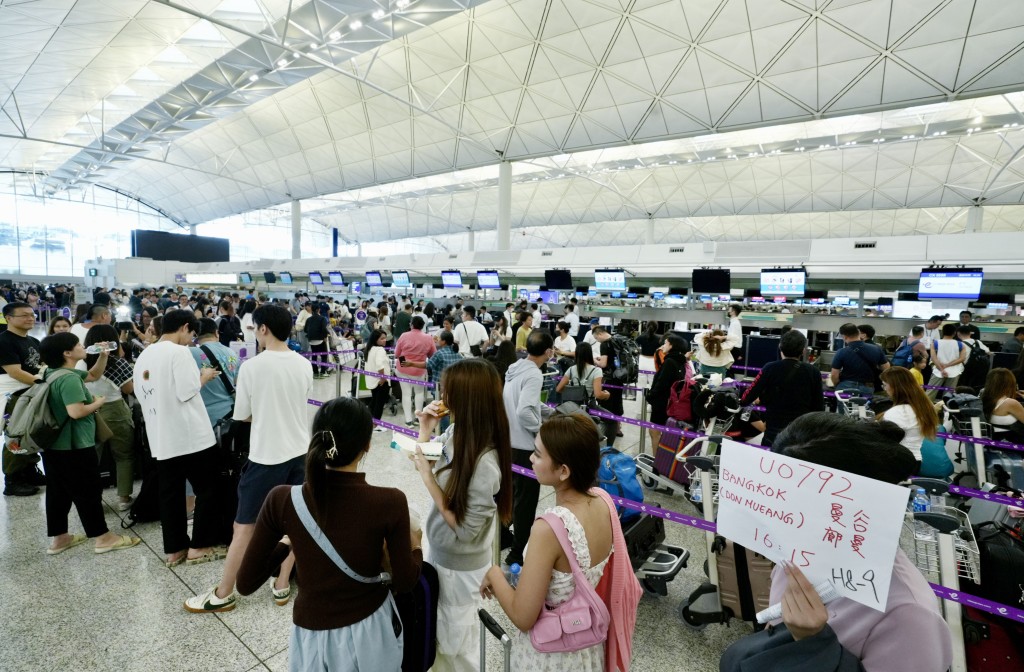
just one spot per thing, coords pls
(716, 119)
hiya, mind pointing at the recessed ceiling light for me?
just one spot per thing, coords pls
(282, 63)
(253, 77)
(379, 14)
(335, 36)
(314, 46)
(402, 4)
(355, 25)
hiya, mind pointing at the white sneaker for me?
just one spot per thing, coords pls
(209, 603)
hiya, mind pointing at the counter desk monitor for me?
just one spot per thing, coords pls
(950, 283)
(286, 278)
(783, 281)
(337, 278)
(373, 279)
(608, 280)
(558, 279)
(400, 279)
(488, 280)
(245, 278)
(270, 277)
(711, 281)
(356, 288)
(451, 279)
(316, 278)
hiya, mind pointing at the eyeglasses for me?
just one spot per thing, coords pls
(24, 315)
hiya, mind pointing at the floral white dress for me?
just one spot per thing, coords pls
(525, 658)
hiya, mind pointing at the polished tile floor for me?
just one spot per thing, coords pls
(122, 611)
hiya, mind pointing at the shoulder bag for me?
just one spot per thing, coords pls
(577, 624)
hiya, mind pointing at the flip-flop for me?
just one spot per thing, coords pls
(123, 541)
(218, 553)
(76, 539)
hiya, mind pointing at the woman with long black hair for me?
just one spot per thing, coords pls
(470, 486)
(376, 361)
(339, 622)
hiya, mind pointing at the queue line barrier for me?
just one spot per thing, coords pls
(696, 522)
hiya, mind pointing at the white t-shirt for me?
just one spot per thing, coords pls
(574, 323)
(948, 350)
(537, 317)
(467, 334)
(567, 344)
(167, 386)
(273, 387)
(249, 335)
(589, 338)
(376, 361)
(79, 330)
(903, 415)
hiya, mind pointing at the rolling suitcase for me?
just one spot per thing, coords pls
(418, 611)
(744, 579)
(488, 624)
(993, 643)
(669, 445)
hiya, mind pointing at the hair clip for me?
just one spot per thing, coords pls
(331, 452)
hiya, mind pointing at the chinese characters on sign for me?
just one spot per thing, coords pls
(832, 524)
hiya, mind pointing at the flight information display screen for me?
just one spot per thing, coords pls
(783, 282)
(950, 283)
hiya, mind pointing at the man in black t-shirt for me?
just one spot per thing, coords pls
(606, 361)
(787, 388)
(19, 365)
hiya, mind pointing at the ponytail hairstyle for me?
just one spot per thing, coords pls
(712, 345)
(341, 431)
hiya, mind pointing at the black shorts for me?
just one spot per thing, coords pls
(257, 480)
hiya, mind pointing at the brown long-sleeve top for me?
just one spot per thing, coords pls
(358, 518)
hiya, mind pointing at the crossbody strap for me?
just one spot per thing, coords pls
(216, 364)
(325, 545)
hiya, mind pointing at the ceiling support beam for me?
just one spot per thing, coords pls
(296, 229)
(504, 205)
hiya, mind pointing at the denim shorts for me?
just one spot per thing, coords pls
(257, 480)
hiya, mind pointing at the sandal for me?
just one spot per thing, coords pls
(216, 553)
(76, 539)
(176, 559)
(123, 541)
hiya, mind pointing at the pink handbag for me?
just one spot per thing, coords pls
(577, 624)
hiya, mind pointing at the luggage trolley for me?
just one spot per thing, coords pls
(965, 417)
(945, 549)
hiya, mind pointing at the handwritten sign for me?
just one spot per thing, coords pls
(832, 524)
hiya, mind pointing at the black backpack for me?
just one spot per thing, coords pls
(627, 371)
(976, 367)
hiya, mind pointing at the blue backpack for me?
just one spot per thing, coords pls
(904, 355)
(617, 476)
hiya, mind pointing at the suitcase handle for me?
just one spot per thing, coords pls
(492, 625)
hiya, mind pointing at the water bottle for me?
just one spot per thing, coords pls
(696, 496)
(513, 574)
(921, 504)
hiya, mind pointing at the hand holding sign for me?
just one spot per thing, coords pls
(833, 525)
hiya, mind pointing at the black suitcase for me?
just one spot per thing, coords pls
(418, 611)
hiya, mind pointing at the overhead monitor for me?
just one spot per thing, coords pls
(949, 283)
(558, 279)
(356, 287)
(783, 281)
(658, 296)
(286, 278)
(711, 280)
(610, 279)
(316, 278)
(451, 279)
(654, 290)
(245, 278)
(373, 279)
(842, 301)
(724, 298)
(400, 279)
(337, 278)
(488, 280)
(270, 277)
